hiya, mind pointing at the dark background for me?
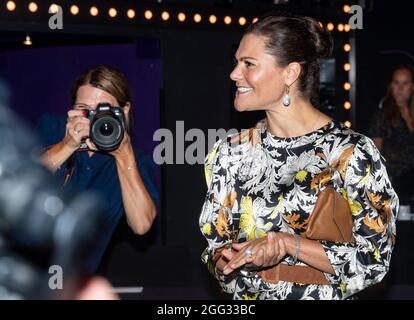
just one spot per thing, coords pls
(180, 72)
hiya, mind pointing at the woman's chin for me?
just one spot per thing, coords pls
(240, 107)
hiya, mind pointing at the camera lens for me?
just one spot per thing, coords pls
(106, 132)
(106, 129)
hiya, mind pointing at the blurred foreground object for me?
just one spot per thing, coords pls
(45, 238)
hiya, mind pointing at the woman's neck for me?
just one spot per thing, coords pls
(296, 120)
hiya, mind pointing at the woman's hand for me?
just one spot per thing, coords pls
(124, 150)
(77, 128)
(258, 253)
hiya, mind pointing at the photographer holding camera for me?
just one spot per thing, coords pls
(92, 150)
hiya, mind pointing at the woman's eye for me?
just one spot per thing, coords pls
(248, 64)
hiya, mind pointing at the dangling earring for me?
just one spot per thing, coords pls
(286, 98)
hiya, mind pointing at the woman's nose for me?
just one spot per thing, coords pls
(236, 74)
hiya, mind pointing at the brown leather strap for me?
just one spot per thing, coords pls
(298, 274)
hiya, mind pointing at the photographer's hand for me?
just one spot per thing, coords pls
(77, 128)
(139, 207)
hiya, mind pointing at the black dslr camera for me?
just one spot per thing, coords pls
(107, 126)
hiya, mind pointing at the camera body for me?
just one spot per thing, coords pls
(107, 128)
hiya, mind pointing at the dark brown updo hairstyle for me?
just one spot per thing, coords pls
(291, 38)
(109, 80)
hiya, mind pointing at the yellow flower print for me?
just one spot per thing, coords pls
(208, 168)
(301, 175)
(247, 297)
(206, 229)
(248, 223)
(342, 286)
(355, 207)
(376, 255)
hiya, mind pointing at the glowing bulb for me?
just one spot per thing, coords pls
(197, 18)
(340, 27)
(54, 8)
(347, 86)
(330, 26)
(165, 16)
(148, 14)
(33, 7)
(242, 21)
(112, 12)
(28, 41)
(347, 47)
(347, 28)
(74, 10)
(348, 124)
(347, 67)
(11, 6)
(131, 14)
(347, 105)
(227, 19)
(94, 11)
(181, 17)
(212, 19)
(346, 8)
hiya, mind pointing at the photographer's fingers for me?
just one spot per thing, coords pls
(91, 145)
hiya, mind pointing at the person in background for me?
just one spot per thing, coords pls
(121, 177)
(392, 130)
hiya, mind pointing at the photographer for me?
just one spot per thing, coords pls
(119, 173)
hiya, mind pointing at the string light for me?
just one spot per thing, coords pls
(348, 124)
(11, 6)
(347, 28)
(165, 15)
(330, 26)
(112, 12)
(346, 8)
(197, 18)
(242, 21)
(148, 14)
(340, 27)
(33, 7)
(181, 17)
(347, 47)
(347, 105)
(74, 10)
(212, 19)
(347, 67)
(131, 14)
(94, 11)
(54, 8)
(227, 19)
(347, 86)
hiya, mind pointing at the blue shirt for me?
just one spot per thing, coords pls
(97, 173)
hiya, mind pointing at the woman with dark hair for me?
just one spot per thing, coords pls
(121, 176)
(392, 130)
(268, 236)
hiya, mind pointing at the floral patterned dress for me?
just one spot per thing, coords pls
(259, 183)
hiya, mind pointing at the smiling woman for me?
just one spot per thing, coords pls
(264, 183)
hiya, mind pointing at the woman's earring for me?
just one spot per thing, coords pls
(286, 97)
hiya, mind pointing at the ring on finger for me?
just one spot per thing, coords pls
(249, 253)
